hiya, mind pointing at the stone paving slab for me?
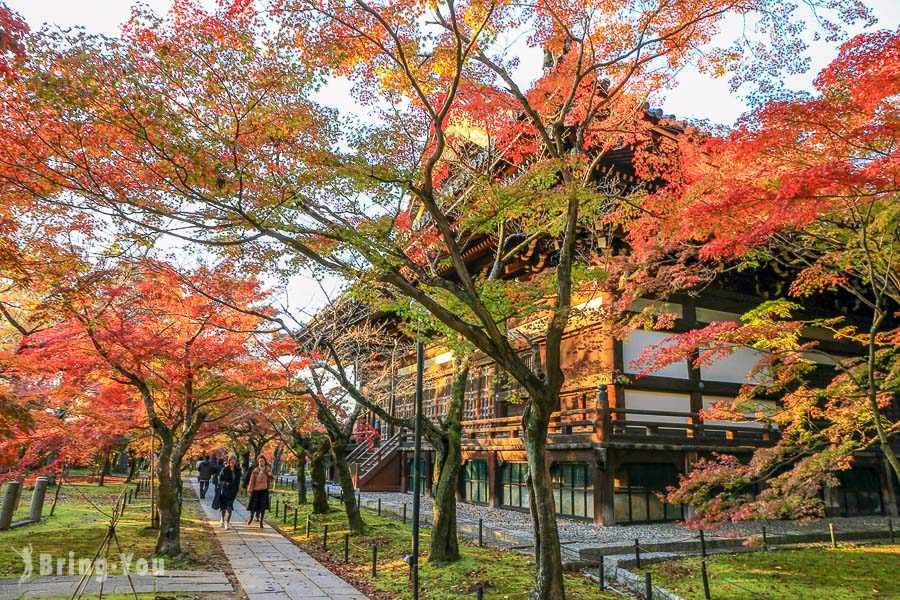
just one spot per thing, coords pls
(271, 567)
(64, 585)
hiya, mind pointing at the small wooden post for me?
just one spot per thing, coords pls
(601, 573)
(374, 562)
(637, 554)
(346, 548)
(277, 501)
(284, 514)
(379, 507)
(295, 518)
(705, 580)
(307, 526)
(831, 531)
(479, 592)
(60, 483)
(702, 544)
(765, 540)
(480, 532)
(404, 513)
(648, 584)
(325, 538)
(890, 526)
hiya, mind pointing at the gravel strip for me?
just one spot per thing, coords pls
(572, 531)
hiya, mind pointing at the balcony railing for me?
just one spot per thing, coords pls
(620, 424)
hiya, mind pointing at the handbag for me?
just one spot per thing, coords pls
(217, 500)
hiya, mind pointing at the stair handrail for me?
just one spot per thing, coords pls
(386, 448)
(359, 450)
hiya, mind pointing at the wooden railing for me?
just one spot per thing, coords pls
(383, 450)
(670, 425)
(623, 424)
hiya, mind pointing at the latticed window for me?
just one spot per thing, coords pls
(573, 488)
(636, 496)
(506, 387)
(515, 491)
(410, 475)
(475, 481)
(428, 398)
(405, 404)
(473, 395)
(860, 492)
(443, 388)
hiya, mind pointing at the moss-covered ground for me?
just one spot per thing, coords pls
(814, 572)
(504, 574)
(80, 522)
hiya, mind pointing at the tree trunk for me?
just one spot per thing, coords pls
(317, 473)
(301, 477)
(448, 462)
(548, 557)
(276, 459)
(132, 468)
(245, 465)
(168, 498)
(348, 492)
(103, 471)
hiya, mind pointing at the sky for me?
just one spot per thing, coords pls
(696, 97)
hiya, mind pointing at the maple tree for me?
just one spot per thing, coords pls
(360, 355)
(12, 31)
(806, 183)
(176, 356)
(439, 73)
(291, 419)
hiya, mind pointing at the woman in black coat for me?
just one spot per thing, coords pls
(229, 484)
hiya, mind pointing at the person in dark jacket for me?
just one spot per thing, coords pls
(204, 472)
(229, 484)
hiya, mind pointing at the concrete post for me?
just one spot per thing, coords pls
(9, 503)
(37, 499)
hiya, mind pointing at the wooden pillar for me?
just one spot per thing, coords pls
(689, 459)
(429, 458)
(495, 494)
(404, 470)
(604, 507)
(888, 491)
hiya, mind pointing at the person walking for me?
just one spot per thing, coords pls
(204, 472)
(258, 489)
(229, 484)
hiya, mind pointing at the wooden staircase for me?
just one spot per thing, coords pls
(366, 461)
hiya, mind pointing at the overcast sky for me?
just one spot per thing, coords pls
(696, 96)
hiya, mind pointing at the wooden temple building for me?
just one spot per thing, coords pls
(612, 449)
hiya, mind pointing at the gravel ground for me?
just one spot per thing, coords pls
(580, 532)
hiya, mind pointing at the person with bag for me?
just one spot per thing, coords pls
(258, 489)
(227, 491)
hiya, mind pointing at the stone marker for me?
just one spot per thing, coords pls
(9, 503)
(37, 499)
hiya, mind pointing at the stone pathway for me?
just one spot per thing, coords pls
(200, 582)
(271, 567)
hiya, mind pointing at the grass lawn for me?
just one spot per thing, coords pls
(78, 527)
(813, 572)
(504, 574)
